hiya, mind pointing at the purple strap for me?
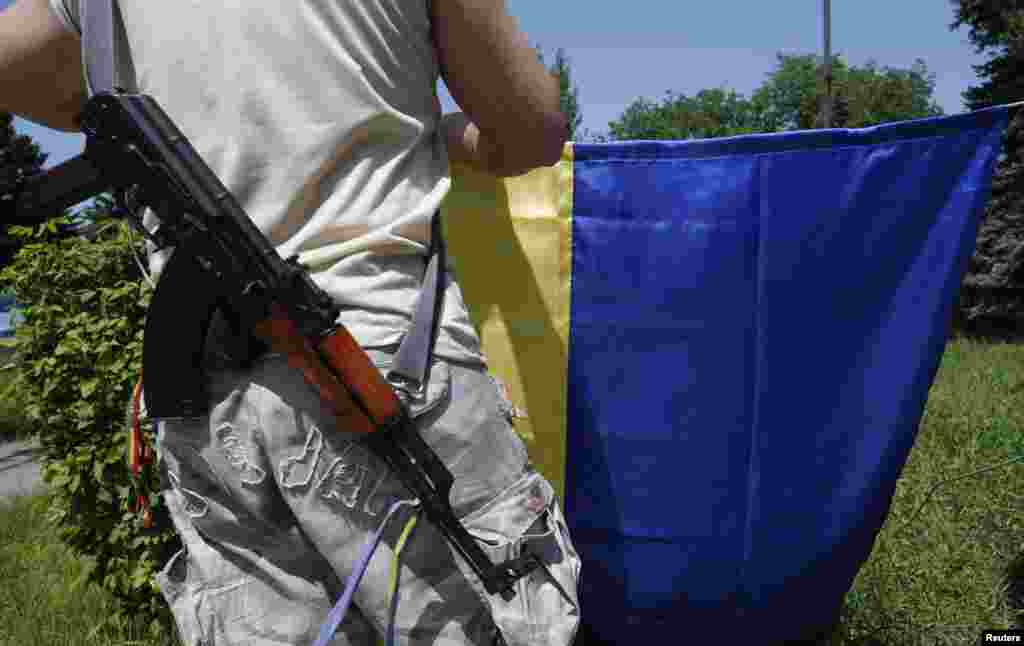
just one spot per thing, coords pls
(337, 614)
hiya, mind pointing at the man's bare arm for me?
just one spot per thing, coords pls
(512, 120)
(41, 75)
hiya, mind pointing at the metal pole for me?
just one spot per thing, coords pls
(827, 103)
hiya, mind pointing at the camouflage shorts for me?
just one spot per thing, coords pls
(274, 505)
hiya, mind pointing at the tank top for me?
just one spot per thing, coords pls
(322, 119)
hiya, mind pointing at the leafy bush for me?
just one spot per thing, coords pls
(79, 351)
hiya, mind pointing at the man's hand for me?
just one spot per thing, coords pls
(41, 77)
(480, 151)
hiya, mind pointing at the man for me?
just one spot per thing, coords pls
(321, 118)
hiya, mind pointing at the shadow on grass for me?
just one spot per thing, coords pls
(990, 329)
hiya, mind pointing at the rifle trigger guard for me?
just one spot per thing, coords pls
(522, 565)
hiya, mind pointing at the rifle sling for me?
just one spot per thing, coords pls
(108, 66)
(411, 369)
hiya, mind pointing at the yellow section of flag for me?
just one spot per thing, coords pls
(511, 245)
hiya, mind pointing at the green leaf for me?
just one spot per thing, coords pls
(88, 387)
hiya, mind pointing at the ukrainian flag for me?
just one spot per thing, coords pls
(723, 349)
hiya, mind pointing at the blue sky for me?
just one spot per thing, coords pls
(620, 51)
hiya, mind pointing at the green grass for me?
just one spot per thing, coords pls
(12, 425)
(948, 563)
(41, 602)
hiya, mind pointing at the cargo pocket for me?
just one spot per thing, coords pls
(242, 610)
(177, 589)
(527, 520)
(508, 408)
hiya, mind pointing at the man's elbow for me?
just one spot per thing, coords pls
(67, 117)
(61, 117)
(556, 129)
(66, 122)
(542, 144)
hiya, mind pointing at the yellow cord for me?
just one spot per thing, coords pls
(396, 564)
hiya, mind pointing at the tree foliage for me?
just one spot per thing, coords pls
(18, 151)
(710, 113)
(996, 28)
(789, 99)
(567, 90)
(19, 155)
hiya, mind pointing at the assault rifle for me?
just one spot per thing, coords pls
(222, 260)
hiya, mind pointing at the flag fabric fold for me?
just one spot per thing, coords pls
(724, 348)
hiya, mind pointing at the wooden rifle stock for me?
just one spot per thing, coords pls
(350, 369)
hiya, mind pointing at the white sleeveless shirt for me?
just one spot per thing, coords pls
(321, 117)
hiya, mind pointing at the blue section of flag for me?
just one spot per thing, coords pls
(755, 325)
